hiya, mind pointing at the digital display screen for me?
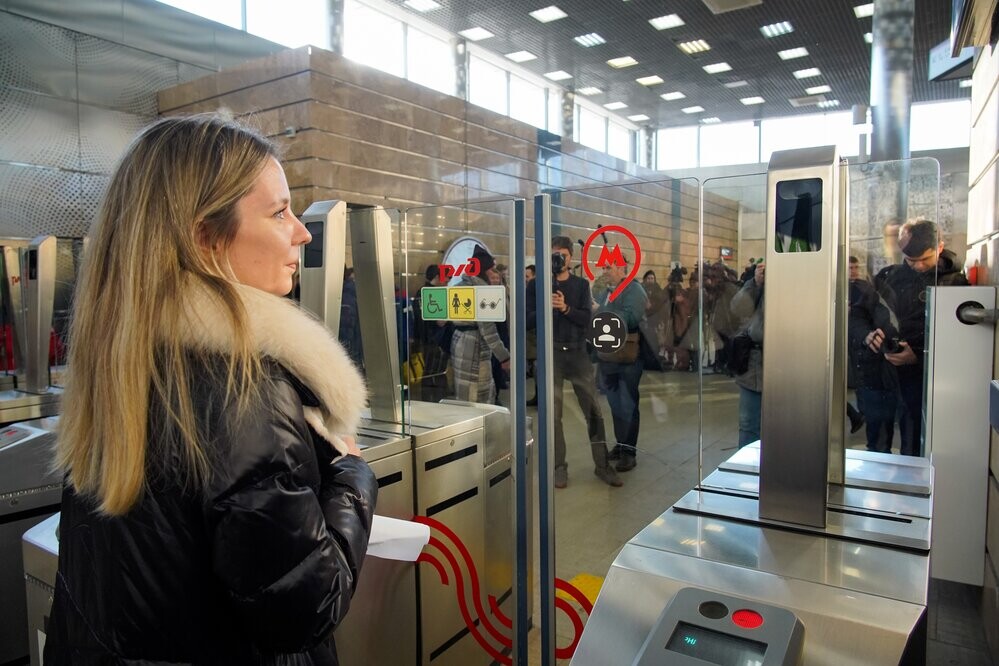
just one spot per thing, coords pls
(715, 647)
(314, 250)
(798, 215)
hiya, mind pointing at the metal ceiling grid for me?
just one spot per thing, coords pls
(828, 29)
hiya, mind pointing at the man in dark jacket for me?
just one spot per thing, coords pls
(571, 305)
(891, 320)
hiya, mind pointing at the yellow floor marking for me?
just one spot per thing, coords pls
(588, 584)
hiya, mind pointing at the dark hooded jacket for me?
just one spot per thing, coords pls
(258, 568)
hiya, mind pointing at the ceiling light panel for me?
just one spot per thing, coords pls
(589, 90)
(649, 80)
(818, 90)
(622, 62)
(548, 14)
(641, 117)
(521, 56)
(710, 121)
(666, 22)
(422, 5)
(777, 29)
(614, 106)
(749, 101)
(736, 84)
(863, 11)
(791, 54)
(695, 46)
(693, 109)
(558, 75)
(589, 39)
(670, 96)
(807, 73)
(717, 68)
(828, 104)
(476, 34)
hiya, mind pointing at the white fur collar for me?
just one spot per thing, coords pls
(292, 337)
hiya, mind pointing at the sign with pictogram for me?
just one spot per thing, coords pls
(612, 256)
(475, 303)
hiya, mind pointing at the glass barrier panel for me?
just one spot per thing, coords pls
(625, 355)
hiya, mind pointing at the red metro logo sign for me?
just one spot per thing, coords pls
(612, 256)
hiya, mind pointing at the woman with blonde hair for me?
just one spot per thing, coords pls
(216, 508)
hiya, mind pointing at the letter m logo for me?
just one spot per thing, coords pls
(611, 257)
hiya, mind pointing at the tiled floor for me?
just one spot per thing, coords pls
(594, 520)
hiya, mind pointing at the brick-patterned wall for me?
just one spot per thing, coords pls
(354, 133)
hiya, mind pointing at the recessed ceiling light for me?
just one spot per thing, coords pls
(649, 80)
(670, 96)
(521, 56)
(548, 14)
(790, 54)
(476, 34)
(818, 90)
(863, 11)
(665, 22)
(717, 68)
(807, 73)
(589, 39)
(748, 101)
(422, 5)
(777, 29)
(965, 84)
(639, 118)
(614, 106)
(589, 90)
(710, 121)
(695, 46)
(736, 84)
(869, 37)
(624, 61)
(828, 103)
(558, 75)
(693, 109)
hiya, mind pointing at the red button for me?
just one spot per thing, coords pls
(747, 619)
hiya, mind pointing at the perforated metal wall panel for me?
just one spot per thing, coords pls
(120, 77)
(37, 57)
(38, 129)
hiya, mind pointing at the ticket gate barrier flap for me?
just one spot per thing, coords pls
(858, 603)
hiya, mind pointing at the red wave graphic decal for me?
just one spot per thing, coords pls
(502, 637)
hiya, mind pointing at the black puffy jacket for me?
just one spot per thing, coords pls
(257, 570)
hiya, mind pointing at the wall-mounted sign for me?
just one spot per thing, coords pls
(726, 252)
(467, 303)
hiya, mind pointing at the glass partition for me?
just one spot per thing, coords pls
(624, 354)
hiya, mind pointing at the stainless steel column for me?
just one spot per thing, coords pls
(544, 377)
(38, 268)
(371, 245)
(800, 411)
(891, 78)
(322, 261)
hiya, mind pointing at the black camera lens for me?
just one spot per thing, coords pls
(892, 345)
(558, 262)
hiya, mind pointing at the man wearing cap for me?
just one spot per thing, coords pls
(894, 316)
(475, 342)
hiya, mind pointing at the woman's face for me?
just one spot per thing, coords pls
(264, 254)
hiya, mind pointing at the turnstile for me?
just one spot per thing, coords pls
(29, 493)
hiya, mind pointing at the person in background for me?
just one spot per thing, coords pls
(620, 380)
(530, 272)
(895, 318)
(570, 320)
(350, 321)
(532, 338)
(430, 335)
(497, 278)
(216, 509)
(654, 327)
(475, 343)
(747, 307)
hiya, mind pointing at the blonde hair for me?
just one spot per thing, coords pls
(172, 195)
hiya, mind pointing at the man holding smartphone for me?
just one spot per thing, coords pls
(571, 305)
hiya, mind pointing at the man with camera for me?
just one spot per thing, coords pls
(894, 318)
(571, 305)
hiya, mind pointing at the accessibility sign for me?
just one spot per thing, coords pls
(470, 303)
